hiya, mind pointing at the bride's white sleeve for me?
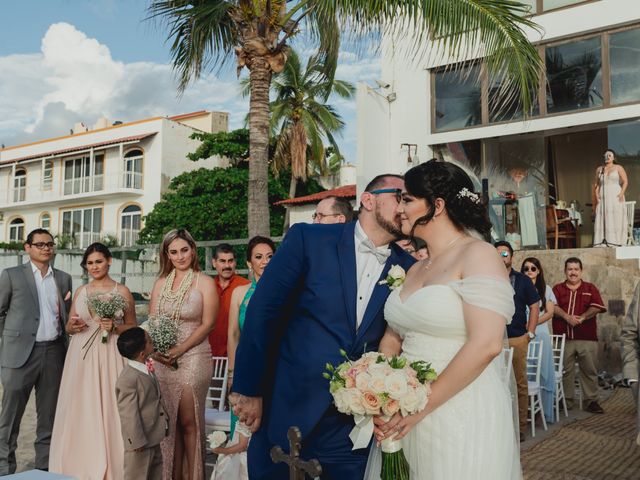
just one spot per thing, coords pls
(486, 291)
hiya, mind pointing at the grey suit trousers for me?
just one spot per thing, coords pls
(43, 370)
(143, 465)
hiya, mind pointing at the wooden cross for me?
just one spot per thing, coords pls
(298, 469)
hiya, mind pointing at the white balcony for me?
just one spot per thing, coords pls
(92, 187)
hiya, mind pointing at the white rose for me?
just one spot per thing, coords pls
(422, 396)
(362, 381)
(378, 381)
(409, 403)
(354, 400)
(216, 438)
(396, 385)
(340, 398)
(396, 272)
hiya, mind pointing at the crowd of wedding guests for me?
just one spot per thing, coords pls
(109, 407)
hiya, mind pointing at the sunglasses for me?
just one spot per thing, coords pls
(532, 268)
(504, 254)
(396, 191)
(320, 216)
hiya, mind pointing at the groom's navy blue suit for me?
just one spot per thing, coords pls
(302, 313)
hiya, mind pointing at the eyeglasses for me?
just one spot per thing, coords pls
(320, 216)
(43, 245)
(532, 268)
(396, 191)
(504, 254)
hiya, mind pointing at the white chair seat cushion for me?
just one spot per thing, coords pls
(217, 420)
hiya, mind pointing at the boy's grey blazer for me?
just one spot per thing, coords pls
(20, 312)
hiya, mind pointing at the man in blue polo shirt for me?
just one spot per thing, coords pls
(522, 329)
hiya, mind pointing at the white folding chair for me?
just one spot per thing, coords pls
(631, 211)
(557, 344)
(507, 355)
(534, 354)
(216, 417)
(577, 385)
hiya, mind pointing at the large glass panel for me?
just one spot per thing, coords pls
(47, 174)
(531, 4)
(624, 138)
(457, 103)
(551, 4)
(624, 52)
(574, 75)
(504, 107)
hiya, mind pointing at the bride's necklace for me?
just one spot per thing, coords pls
(429, 260)
(167, 295)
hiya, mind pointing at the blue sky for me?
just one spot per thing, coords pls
(63, 61)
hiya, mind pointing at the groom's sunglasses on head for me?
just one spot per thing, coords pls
(396, 191)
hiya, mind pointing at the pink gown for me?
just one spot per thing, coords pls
(192, 377)
(86, 442)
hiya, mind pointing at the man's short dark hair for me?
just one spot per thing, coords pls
(131, 342)
(572, 260)
(223, 248)
(37, 231)
(504, 243)
(380, 180)
(342, 206)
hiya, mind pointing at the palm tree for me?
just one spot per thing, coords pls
(207, 33)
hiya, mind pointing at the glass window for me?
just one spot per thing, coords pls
(531, 6)
(20, 185)
(574, 75)
(16, 230)
(551, 4)
(624, 52)
(130, 225)
(83, 225)
(504, 108)
(79, 177)
(133, 169)
(45, 221)
(457, 102)
(47, 174)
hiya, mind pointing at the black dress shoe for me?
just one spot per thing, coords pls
(594, 407)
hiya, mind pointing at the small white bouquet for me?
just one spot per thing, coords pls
(216, 439)
(163, 331)
(110, 305)
(375, 385)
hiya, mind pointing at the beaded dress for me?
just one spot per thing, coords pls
(191, 378)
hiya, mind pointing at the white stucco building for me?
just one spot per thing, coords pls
(589, 101)
(100, 181)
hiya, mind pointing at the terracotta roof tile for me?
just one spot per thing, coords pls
(346, 191)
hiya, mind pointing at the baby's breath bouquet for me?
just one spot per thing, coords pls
(163, 331)
(105, 305)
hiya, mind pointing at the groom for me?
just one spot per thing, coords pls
(319, 294)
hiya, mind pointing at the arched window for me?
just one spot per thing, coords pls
(133, 169)
(45, 221)
(20, 185)
(47, 174)
(16, 230)
(130, 225)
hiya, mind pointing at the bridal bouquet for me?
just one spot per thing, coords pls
(163, 331)
(105, 305)
(376, 385)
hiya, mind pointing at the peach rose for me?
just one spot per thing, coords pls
(391, 407)
(371, 403)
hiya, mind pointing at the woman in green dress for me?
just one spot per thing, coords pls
(259, 253)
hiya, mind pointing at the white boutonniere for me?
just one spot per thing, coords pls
(395, 277)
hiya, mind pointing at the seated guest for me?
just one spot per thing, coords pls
(142, 417)
(333, 210)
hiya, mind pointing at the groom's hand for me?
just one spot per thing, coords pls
(247, 409)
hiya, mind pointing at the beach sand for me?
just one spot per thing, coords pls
(25, 455)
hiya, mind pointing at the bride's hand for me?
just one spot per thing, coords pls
(397, 427)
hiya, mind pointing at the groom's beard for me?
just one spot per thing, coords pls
(392, 226)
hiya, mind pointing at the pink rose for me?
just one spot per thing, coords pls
(391, 407)
(349, 382)
(371, 403)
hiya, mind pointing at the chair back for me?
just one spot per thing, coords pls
(557, 346)
(217, 393)
(507, 357)
(534, 354)
(631, 210)
(552, 219)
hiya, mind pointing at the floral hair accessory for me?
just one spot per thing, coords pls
(466, 193)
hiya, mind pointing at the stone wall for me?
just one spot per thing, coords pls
(616, 280)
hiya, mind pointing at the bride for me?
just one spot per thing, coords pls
(451, 311)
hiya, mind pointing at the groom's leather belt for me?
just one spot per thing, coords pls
(46, 343)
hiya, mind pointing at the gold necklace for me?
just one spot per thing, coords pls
(429, 260)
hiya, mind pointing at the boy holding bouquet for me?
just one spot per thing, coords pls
(142, 415)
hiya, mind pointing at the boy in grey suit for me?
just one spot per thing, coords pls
(142, 415)
(34, 304)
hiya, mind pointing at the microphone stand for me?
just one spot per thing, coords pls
(604, 214)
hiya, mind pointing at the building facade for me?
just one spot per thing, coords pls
(588, 101)
(97, 183)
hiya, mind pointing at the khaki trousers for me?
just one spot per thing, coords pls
(520, 346)
(585, 352)
(143, 465)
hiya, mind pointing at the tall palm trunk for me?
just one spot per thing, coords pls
(258, 198)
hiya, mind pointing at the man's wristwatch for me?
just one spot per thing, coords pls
(531, 335)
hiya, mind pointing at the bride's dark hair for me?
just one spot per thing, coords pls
(435, 179)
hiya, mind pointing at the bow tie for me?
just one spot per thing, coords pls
(381, 253)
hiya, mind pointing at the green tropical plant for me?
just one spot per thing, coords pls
(211, 33)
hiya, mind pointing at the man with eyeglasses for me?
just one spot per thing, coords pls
(35, 299)
(333, 210)
(521, 330)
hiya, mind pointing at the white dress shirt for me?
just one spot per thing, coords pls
(49, 325)
(368, 271)
(141, 367)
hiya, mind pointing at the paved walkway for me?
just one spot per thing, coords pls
(586, 446)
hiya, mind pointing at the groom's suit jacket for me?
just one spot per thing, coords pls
(302, 313)
(20, 311)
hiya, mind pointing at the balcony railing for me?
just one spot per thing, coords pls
(73, 186)
(129, 237)
(19, 193)
(132, 180)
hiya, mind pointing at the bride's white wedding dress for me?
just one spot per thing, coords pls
(472, 435)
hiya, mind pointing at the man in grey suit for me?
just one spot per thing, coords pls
(34, 304)
(630, 338)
